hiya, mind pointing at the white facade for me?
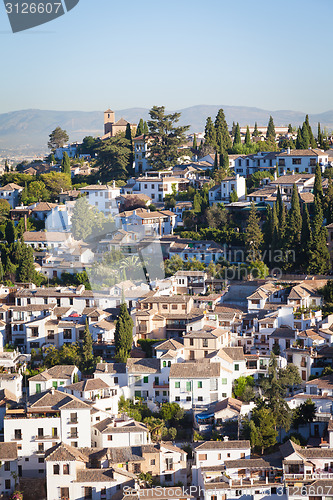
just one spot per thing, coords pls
(103, 198)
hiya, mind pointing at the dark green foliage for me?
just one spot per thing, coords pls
(294, 222)
(88, 145)
(113, 156)
(221, 132)
(26, 272)
(145, 128)
(270, 134)
(124, 333)
(304, 414)
(255, 132)
(319, 254)
(261, 428)
(10, 233)
(253, 234)
(166, 138)
(318, 186)
(139, 129)
(210, 133)
(66, 164)
(247, 136)
(237, 138)
(312, 141)
(194, 146)
(57, 138)
(87, 362)
(147, 346)
(299, 139)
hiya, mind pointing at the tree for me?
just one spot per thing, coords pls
(318, 186)
(305, 136)
(173, 265)
(26, 272)
(88, 145)
(233, 196)
(194, 145)
(82, 219)
(294, 221)
(145, 128)
(56, 183)
(113, 156)
(253, 234)
(306, 238)
(57, 138)
(240, 388)
(290, 128)
(312, 141)
(139, 129)
(210, 133)
(87, 356)
(171, 411)
(66, 164)
(237, 138)
(166, 138)
(270, 134)
(299, 139)
(124, 332)
(281, 411)
(304, 414)
(247, 136)
(222, 132)
(255, 132)
(261, 428)
(319, 254)
(10, 233)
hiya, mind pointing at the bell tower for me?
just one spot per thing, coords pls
(108, 121)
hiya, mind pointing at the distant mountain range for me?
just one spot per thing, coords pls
(27, 131)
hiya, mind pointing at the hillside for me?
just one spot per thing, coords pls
(28, 130)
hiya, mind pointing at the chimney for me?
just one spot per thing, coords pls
(288, 151)
(114, 184)
(226, 438)
(293, 172)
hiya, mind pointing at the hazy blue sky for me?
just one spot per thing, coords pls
(272, 54)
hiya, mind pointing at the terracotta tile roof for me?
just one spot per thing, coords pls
(110, 368)
(62, 452)
(8, 451)
(42, 236)
(235, 353)
(171, 344)
(106, 426)
(325, 382)
(95, 476)
(55, 400)
(189, 370)
(88, 385)
(248, 463)
(223, 445)
(145, 365)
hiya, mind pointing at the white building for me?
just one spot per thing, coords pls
(57, 377)
(114, 432)
(50, 417)
(301, 160)
(8, 468)
(103, 197)
(222, 192)
(11, 192)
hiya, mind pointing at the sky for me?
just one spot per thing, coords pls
(270, 54)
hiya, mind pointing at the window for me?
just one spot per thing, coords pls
(7, 484)
(152, 462)
(116, 380)
(40, 432)
(237, 368)
(188, 386)
(38, 388)
(109, 437)
(87, 492)
(224, 394)
(200, 398)
(224, 381)
(168, 477)
(66, 469)
(67, 334)
(202, 456)
(55, 384)
(137, 468)
(157, 380)
(157, 393)
(177, 385)
(297, 161)
(54, 432)
(169, 463)
(40, 460)
(7, 466)
(242, 455)
(199, 385)
(205, 343)
(164, 364)
(73, 418)
(64, 493)
(213, 497)
(50, 334)
(40, 447)
(18, 434)
(188, 398)
(56, 469)
(177, 398)
(191, 342)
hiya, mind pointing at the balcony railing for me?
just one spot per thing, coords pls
(47, 437)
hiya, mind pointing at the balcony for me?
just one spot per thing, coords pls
(74, 435)
(160, 385)
(47, 437)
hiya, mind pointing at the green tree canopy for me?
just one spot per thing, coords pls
(57, 138)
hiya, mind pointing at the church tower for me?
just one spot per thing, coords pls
(109, 120)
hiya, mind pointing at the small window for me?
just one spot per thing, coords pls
(7, 484)
(66, 469)
(56, 469)
(236, 367)
(199, 384)
(177, 398)
(152, 462)
(145, 380)
(7, 466)
(177, 385)
(109, 437)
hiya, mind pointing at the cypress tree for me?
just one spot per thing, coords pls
(253, 235)
(224, 162)
(247, 136)
(290, 129)
(233, 130)
(255, 132)
(26, 272)
(87, 356)
(52, 159)
(124, 333)
(237, 138)
(216, 162)
(319, 254)
(210, 133)
(270, 135)
(221, 127)
(66, 164)
(328, 202)
(145, 128)
(128, 136)
(312, 140)
(306, 239)
(194, 142)
(282, 226)
(305, 136)
(318, 186)
(275, 228)
(279, 203)
(299, 139)
(139, 128)
(294, 222)
(320, 137)
(197, 203)
(10, 232)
